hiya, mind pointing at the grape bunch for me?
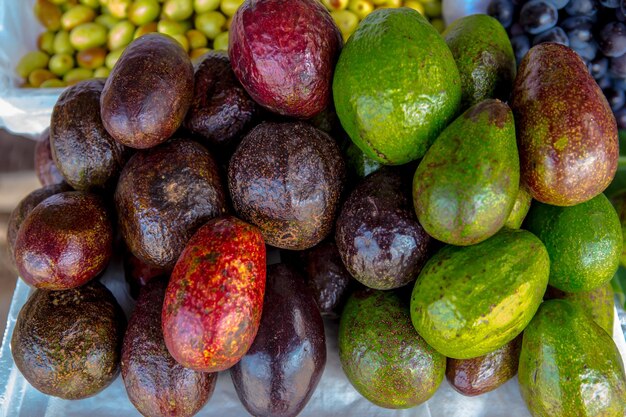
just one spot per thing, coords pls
(595, 29)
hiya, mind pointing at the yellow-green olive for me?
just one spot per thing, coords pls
(112, 57)
(48, 14)
(62, 44)
(221, 42)
(31, 61)
(178, 9)
(101, 72)
(142, 12)
(143, 29)
(229, 7)
(210, 23)
(53, 83)
(91, 58)
(60, 64)
(203, 6)
(121, 35)
(196, 39)
(77, 15)
(45, 42)
(88, 35)
(38, 76)
(76, 75)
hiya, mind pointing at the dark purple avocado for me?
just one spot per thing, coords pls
(280, 371)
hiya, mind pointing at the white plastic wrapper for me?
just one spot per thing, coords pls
(23, 111)
(334, 395)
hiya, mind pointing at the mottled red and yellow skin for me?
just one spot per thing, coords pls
(566, 132)
(214, 299)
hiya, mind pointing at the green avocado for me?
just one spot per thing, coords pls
(396, 85)
(619, 203)
(569, 366)
(484, 57)
(598, 304)
(467, 183)
(382, 355)
(520, 209)
(471, 300)
(584, 242)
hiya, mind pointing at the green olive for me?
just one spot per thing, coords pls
(77, 15)
(210, 23)
(45, 42)
(53, 83)
(346, 21)
(143, 29)
(415, 5)
(60, 64)
(121, 35)
(203, 6)
(65, 6)
(170, 27)
(76, 75)
(91, 58)
(221, 42)
(101, 72)
(112, 57)
(196, 39)
(333, 5)
(107, 20)
(48, 14)
(31, 61)
(198, 52)
(119, 8)
(88, 35)
(438, 24)
(38, 76)
(62, 44)
(433, 8)
(183, 41)
(94, 4)
(361, 8)
(142, 12)
(178, 9)
(58, 2)
(229, 7)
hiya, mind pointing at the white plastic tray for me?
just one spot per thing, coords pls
(334, 395)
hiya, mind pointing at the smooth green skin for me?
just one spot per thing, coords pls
(77, 74)
(210, 23)
(88, 35)
(467, 183)
(520, 209)
(46, 42)
(62, 44)
(584, 242)
(77, 15)
(203, 6)
(31, 61)
(107, 20)
(471, 300)
(382, 355)
(484, 57)
(120, 35)
(60, 64)
(396, 86)
(599, 304)
(142, 12)
(178, 9)
(569, 366)
(619, 203)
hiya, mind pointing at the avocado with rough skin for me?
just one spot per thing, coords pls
(83, 151)
(484, 56)
(382, 355)
(520, 209)
(67, 343)
(287, 179)
(465, 186)
(164, 195)
(45, 167)
(584, 242)
(396, 85)
(156, 384)
(148, 93)
(65, 241)
(379, 238)
(471, 300)
(569, 366)
(566, 131)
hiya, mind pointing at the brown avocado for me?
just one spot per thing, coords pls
(45, 167)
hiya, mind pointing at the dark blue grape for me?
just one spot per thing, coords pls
(620, 117)
(588, 51)
(556, 35)
(581, 8)
(617, 67)
(615, 97)
(538, 16)
(559, 4)
(612, 39)
(516, 29)
(578, 29)
(619, 83)
(623, 6)
(598, 67)
(502, 11)
(604, 82)
(521, 45)
(611, 4)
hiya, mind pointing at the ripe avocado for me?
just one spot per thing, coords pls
(382, 355)
(396, 85)
(67, 343)
(584, 242)
(484, 57)
(569, 366)
(45, 167)
(471, 300)
(467, 183)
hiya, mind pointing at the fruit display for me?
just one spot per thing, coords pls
(83, 39)
(407, 206)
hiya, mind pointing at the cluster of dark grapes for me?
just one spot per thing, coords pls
(595, 29)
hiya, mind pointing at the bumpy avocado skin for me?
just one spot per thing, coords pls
(396, 85)
(471, 300)
(382, 355)
(484, 57)
(584, 242)
(465, 187)
(569, 366)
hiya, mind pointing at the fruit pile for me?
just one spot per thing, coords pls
(595, 29)
(450, 232)
(84, 38)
